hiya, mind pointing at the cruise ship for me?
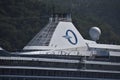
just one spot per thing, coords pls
(59, 52)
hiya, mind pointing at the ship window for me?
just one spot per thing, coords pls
(40, 63)
(92, 65)
(100, 66)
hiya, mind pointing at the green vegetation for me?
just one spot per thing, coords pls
(20, 20)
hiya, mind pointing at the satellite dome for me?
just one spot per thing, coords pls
(95, 33)
(1, 48)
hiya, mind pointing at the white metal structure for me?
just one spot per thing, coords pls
(60, 52)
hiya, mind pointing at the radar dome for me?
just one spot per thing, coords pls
(1, 48)
(95, 33)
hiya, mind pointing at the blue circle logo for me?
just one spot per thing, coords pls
(71, 37)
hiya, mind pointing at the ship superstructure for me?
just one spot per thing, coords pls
(59, 52)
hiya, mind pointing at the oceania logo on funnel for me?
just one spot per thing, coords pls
(71, 37)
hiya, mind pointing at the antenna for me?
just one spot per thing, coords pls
(52, 8)
(71, 7)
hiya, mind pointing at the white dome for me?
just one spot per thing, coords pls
(95, 33)
(1, 48)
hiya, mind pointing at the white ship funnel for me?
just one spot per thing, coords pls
(66, 36)
(58, 34)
